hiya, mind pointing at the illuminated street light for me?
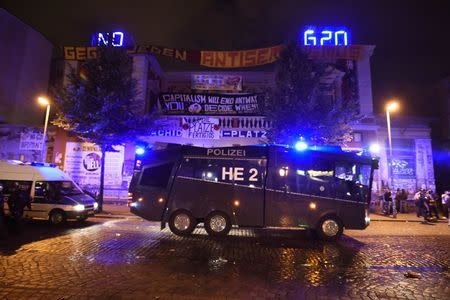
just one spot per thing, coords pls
(391, 107)
(44, 102)
(374, 148)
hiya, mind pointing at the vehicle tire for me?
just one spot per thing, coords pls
(56, 217)
(330, 228)
(217, 223)
(181, 222)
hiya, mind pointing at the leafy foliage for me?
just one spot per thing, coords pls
(297, 106)
(97, 103)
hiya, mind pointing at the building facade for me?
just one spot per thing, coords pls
(25, 59)
(441, 135)
(225, 107)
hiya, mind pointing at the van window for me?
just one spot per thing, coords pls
(55, 190)
(156, 176)
(11, 185)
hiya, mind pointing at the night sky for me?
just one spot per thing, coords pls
(412, 38)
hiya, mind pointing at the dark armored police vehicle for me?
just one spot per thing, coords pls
(325, 190)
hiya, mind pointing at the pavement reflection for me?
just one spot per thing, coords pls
(133, 258)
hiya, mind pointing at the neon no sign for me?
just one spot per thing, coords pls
(113, 39)
(319, 36)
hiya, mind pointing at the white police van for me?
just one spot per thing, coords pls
(53, 194)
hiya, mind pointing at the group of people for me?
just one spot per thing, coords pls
(392, 206)
(17, 200)
(428, 204)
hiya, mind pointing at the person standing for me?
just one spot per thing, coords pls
(417, 202)
(2, 203)
(432, 208)
(403, 200)
(2, 213)
(398, 196)
(388, 201)
(445, 198)
(14, 202)
(421, 205)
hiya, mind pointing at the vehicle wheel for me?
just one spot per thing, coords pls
(217, 223)
(330, 228)
(57, 217)
(181, 222)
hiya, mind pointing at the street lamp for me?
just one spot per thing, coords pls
(391, 107)
(44, 102)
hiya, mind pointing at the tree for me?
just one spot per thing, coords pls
(297, 107)
(96, 104)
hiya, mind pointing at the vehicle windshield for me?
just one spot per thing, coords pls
(57, 189)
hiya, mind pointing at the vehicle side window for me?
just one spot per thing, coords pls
(45, 192)
(39, 189)
(205, 169)
(364, 174)
(157, 176)
(305, 175)
(23, 186)
(319, 174)
(13, 188)
(350, 179)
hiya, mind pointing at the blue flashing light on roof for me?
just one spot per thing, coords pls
(140, 150)
(327, 148)
(301, 146)
(43, 164)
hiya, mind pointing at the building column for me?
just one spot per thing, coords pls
(140, 74)
(424, 164)
(365, 81)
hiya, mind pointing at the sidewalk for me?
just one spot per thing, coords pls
(114, 211)
(123, 211)
(401, 217)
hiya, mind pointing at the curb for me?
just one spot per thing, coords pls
(397, 220)
(406, 221)
(109, 217)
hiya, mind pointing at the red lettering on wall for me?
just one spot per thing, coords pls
(220, 59)
(207, 58)
(249, 58)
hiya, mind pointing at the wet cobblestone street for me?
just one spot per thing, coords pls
(133, 259)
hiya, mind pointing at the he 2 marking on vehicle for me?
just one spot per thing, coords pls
(237, 174)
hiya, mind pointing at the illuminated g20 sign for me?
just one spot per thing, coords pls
(108, 39)
(318, 36)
